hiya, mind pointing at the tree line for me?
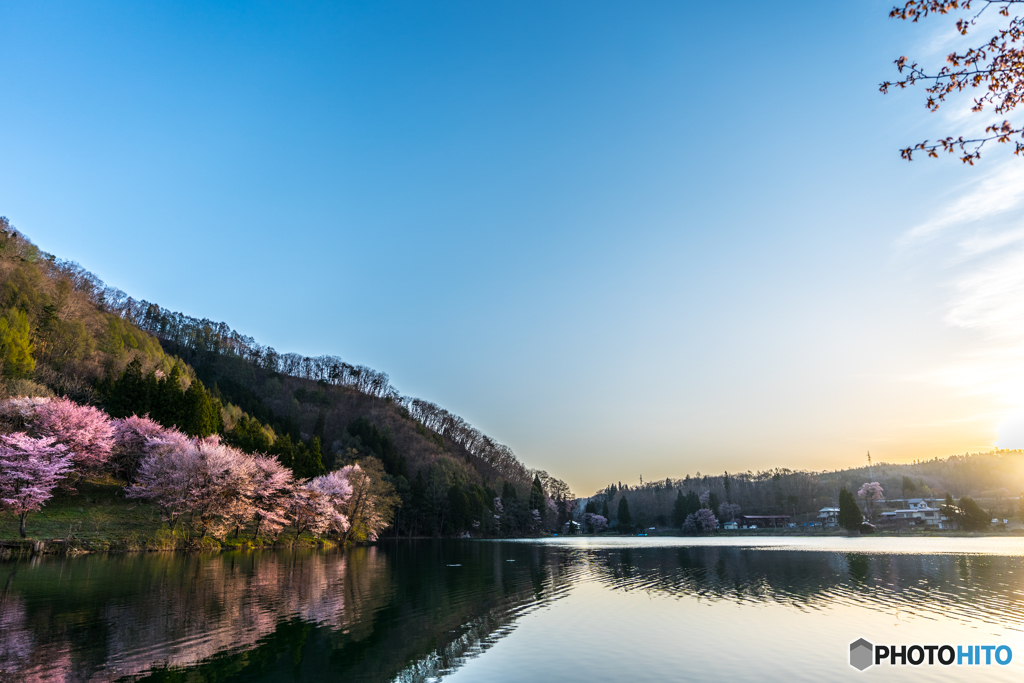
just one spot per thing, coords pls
(197, 337)
(116, 363)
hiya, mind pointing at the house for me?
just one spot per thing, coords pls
(828, 516)
(730, 526)
(918, 515)
(765, 521)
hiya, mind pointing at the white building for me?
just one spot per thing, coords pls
(828, 516)
(918, 515)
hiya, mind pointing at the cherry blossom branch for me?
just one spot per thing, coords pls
(997, 66)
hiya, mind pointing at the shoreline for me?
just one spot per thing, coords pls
(14, 548)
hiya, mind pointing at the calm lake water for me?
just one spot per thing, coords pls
(622, 609)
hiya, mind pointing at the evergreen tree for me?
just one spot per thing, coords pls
(489, 496)
(972, 517)
(679, 511)
(713, 502)
(692, 502)
(320, 426)
(284, 449)
(371, 439)
(195, 411)
(316, 457)
(604, 509)
(591, 507)
(199, 412)
(458, 508)
(307, 460)
(625, 520)
(417, 502)
(166, 405)
(130, 393)
(950, 510)
(477, 505)
(508, 493)
(850, 517)
(536, 494)
(250, 436)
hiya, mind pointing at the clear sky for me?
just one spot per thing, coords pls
(626, 239)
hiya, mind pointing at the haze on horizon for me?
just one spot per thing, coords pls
(624, 240)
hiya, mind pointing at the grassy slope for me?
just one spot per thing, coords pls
(100, 518)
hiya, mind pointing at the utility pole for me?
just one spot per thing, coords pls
(871, 470)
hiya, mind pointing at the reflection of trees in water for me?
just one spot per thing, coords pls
(400, 612)
(964, 587)
(368, 614)
(122, 615)
(538, 576)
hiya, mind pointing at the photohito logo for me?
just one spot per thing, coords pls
(863, 655)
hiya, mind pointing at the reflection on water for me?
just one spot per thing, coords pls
(968, 587)
(368, 613)
(418, 611)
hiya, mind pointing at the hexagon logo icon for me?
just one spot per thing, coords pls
(861, 654)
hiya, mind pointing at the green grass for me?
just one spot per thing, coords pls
(99, 518)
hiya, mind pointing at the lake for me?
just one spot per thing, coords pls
(581, 609)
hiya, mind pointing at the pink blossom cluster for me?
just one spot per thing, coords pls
(30, 468)
(209, 485)
(705, 521)
(871, 491)
(87, 432)
(220, 488)
(21, 408)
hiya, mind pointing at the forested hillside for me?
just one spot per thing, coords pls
(64, 332)
(995, 478)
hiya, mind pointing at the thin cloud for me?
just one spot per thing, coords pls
(999, 191)
(982, 268)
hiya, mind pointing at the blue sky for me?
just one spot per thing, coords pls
(624, 239)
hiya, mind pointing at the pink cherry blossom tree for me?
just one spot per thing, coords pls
(166, 474)
(370, 506)
(309, 510)
(705, 521)
(87, 432)
(30, 468)
(596, 522)
(222, 493)
(871, 492)
(273, 489)
(211, 482)
(701, 522)
(132, 438)
(19, 412)
(336, 489)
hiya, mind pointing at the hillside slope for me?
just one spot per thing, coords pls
(64, 332)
